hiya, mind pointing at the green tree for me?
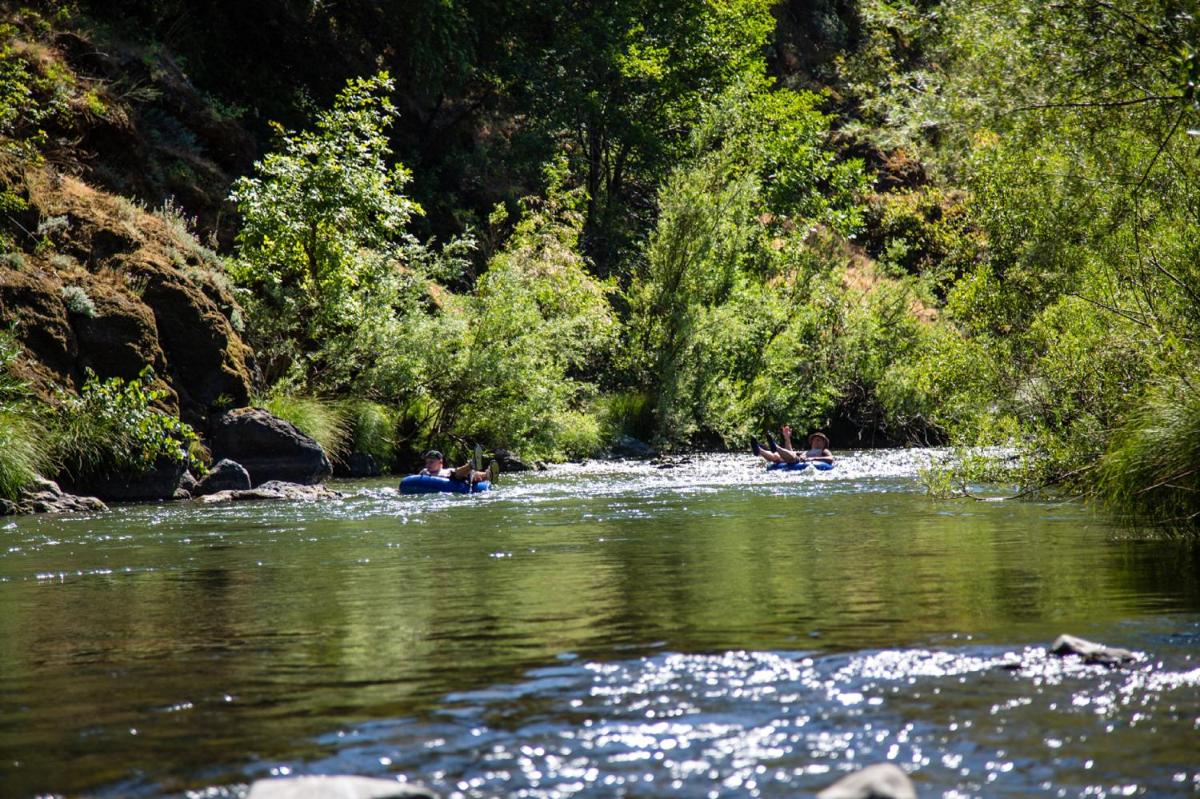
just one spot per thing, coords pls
(621, 85)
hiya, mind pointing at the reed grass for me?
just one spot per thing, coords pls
(373, 430)
(1151, 470)
(325, 421)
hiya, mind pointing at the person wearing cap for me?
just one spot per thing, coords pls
(818, 448)
(435, 466)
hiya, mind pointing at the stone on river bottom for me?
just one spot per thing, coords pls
(337, 787)
(1091, 651)
(880, 781)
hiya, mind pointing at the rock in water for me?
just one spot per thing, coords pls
(510, 462)
(630, 447)
(337, 787)
(188, 483)
(44, 496)
(1090, 651)
(156, 484)
(357, 464)
(227, 475)
(273, 490)
(268, 448)
(880, 781)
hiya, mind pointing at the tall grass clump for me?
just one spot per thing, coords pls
(629, 413)
(325, 421)
(24, 451)
(1151, 471)
(373, 431)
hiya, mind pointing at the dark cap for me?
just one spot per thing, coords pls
(433, 454)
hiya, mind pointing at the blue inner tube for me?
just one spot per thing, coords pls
(820, 466)
(425, 484)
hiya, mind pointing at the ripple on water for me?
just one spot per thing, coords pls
(967, 722)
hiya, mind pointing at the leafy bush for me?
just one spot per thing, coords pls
(733, 317)
(113, 428)
(535, 321)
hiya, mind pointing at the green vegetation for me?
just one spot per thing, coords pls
(321, 420)
(23, 448)
(543, 228)
(113, 428)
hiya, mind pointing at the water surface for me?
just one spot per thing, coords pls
(601, 630)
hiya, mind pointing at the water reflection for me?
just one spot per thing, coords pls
(234, 639)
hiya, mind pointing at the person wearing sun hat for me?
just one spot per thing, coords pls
(818, 448)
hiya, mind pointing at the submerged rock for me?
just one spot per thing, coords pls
(227, 475)
(1090, 651)
(269, 448)
(337, 787)
(45, 496)
(880, 781)
(275, 489)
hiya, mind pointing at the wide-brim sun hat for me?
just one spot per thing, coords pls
(434, 455)
(819, 435)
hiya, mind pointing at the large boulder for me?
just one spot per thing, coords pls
(274, 489)
(626, 446)
(337, 787)
(45, 496)
(227, 475)
(269, 448)
(511, 462)
(159, 483)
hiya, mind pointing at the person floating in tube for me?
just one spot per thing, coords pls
(818, 449)
(435, 466)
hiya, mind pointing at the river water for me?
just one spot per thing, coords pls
(600, 630)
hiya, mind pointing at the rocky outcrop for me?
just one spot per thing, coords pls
(45, 496)
(159, 483)
(226, 475)
(880, 781)
(115, 289)
(268, 447)
(1090, 651)
(273, 490)
(337, 787)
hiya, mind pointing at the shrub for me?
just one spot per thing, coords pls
(78, 302)
(113, 427)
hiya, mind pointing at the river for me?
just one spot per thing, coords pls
(610, 629)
